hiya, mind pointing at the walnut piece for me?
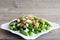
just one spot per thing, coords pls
(22, 23)
(35, 24)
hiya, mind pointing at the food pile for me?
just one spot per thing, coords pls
(29, 25)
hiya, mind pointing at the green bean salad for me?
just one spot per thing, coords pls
(29, 25)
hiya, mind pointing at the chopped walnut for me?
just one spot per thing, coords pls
(20, 17)
(30, 17)
(35, 24)
(22, 23)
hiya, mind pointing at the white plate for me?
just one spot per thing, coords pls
(5, 27)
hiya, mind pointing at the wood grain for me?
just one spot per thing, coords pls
(49, 10)
(8, 16)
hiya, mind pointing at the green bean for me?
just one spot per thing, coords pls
(10, 27)
(37, 30)
(23, 32)
(30, 33)
(47, 23)
(11, 24)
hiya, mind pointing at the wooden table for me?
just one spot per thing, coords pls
(49, 10)
(6, 16)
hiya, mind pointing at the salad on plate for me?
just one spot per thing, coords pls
(29, 25)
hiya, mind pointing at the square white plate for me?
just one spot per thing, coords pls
(5, 27)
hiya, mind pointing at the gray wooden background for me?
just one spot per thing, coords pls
(48, 9)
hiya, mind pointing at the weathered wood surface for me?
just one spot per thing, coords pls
(48, 9)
